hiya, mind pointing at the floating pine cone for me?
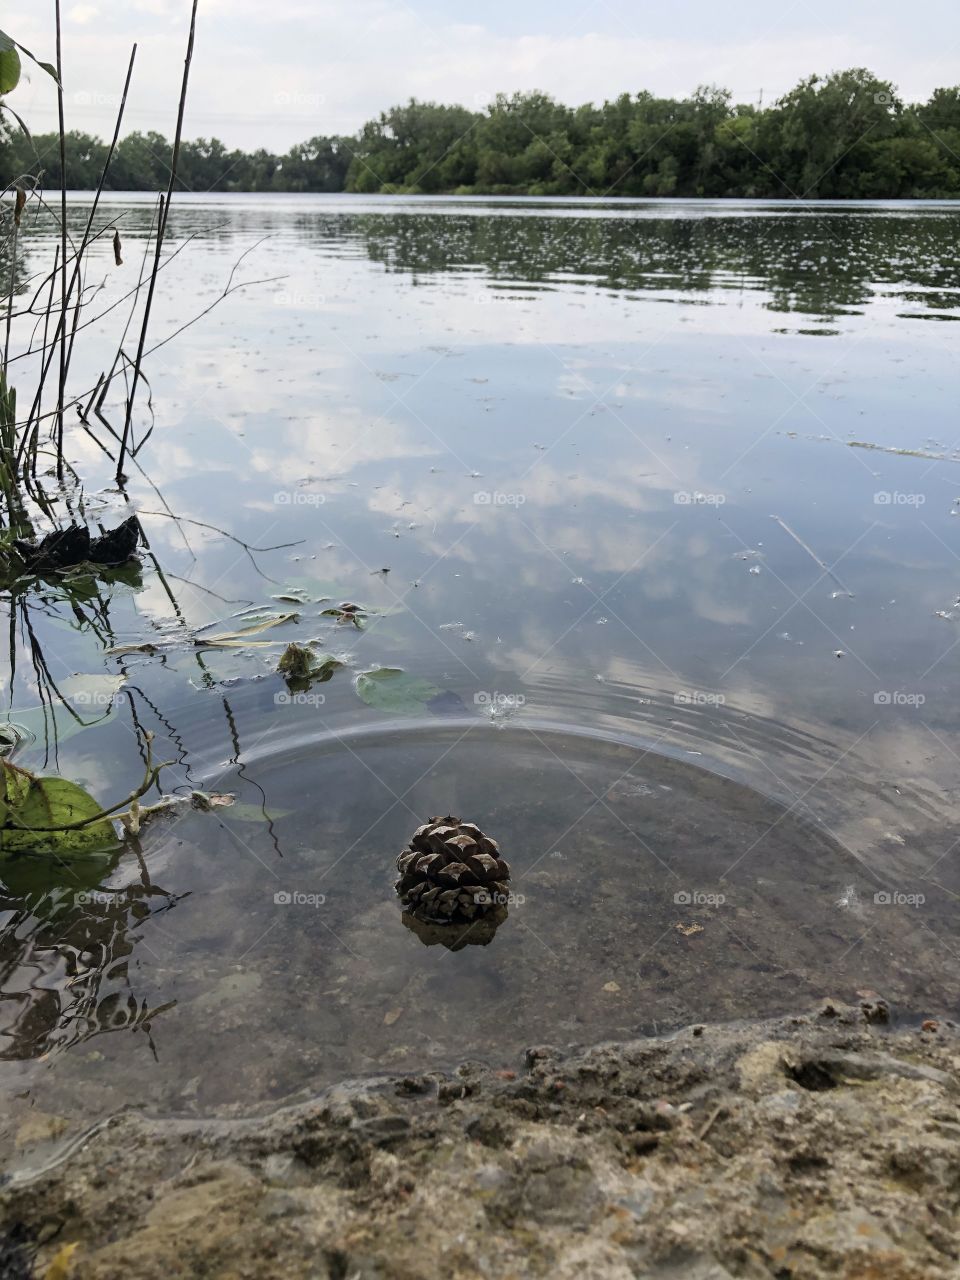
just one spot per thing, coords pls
(452, 873)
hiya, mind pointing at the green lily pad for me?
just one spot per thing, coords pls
(39, 814)
(393, 689)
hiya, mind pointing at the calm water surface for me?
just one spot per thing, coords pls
(654, 504)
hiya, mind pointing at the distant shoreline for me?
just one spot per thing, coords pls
(844, 136)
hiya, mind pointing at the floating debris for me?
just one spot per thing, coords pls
(300, 665)
(67, 548)
(346, 612)
(843, 590)
(452, 873)
(903, 453)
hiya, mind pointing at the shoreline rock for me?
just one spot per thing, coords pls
(826, 1144)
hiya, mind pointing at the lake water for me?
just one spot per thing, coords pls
(654, 507)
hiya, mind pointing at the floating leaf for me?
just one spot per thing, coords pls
(145, 646)
(392, 689)
(347, 612)
(43, 813)
(300, 664)
(240, 638)
(92, 690)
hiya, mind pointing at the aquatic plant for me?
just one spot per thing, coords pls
(51, 814)
(32, 439)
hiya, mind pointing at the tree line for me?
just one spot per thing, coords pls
(846, 135)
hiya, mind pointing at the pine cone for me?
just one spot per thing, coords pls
(452, 873)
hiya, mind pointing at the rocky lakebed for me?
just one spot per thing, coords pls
(821, 1144)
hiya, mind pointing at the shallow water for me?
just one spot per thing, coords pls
(655, 501)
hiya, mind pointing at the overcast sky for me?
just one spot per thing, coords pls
(271, 74)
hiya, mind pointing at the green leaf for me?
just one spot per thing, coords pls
(19, 119)
(7, 43)
(36, 812)
(9, 70)
(300, 664)
(392, 689)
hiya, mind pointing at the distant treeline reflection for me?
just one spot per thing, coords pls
(848, 135)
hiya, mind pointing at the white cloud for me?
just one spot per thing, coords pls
(81, 14)
(273, 75)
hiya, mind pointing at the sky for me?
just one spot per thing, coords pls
(273, 74)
